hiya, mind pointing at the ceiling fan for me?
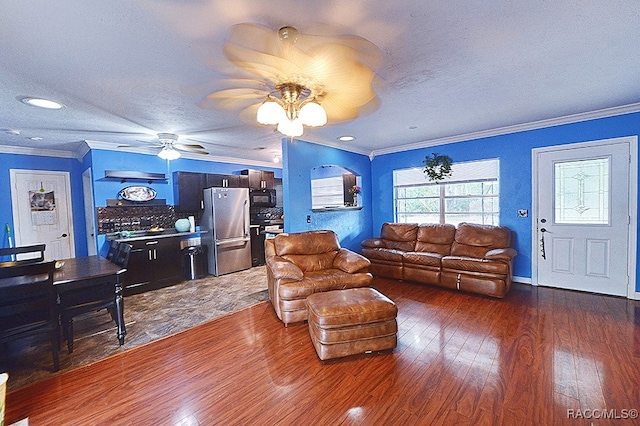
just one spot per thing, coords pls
(291, 80)
(171, 147)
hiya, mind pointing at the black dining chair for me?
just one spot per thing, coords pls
(14, 252)
(121, 257)
(85, 298)
(28, 304)
(93, 296)
(113, 248)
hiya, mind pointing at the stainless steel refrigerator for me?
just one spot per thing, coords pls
(228, 238)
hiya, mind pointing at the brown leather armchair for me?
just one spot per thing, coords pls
(300, 264)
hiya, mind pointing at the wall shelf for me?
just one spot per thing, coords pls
(131, 175)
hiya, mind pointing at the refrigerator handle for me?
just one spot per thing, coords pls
(245, 217)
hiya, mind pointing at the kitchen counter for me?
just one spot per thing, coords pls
(143, 235)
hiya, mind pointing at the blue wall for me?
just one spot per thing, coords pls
(351, 226)
(514, 152)
(33, 162)
(104, 189)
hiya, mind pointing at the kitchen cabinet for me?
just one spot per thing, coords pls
(226, 181)
(188, 186)
(259, 179)
(187, 191)
(257, 246)
(153, 263)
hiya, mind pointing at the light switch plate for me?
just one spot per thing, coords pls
(523, 213)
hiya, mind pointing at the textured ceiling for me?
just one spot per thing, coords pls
(126, 70)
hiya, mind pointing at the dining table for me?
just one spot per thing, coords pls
(78, 278)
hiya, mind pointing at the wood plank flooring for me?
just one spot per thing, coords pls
(540, 356)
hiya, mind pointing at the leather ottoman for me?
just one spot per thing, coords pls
(351, 321)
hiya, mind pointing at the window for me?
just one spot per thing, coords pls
(471, 194)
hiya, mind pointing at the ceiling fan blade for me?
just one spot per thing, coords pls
(189, 149)
(187, 146)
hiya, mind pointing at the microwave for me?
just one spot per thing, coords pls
(262, 197)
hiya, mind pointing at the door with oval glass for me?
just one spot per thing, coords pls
(583, 216)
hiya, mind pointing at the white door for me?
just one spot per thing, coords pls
(583, 218)
(41, 202)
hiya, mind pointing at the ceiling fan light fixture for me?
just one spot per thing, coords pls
(168, 153)
(312, 114)
(291, 128)
(270, 112)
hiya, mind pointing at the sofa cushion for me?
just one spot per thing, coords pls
(422, 259)
(401, 236)
(312, 242)
(470, 264)
(312, 262)
(310, 251)
(389, 255)
(317, 281)
(474, 240)
(435, 238)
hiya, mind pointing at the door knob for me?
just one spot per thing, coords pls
(543, 229)
(63, 236)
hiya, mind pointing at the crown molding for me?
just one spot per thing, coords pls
(7, 149)
(210, 158)
(534, 125)
(333, 144)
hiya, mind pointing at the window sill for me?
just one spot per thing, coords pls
(336, 209)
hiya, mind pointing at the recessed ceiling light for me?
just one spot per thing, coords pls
(346, 138)
(36, 138)
(41, 103)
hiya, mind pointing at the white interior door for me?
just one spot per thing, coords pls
(583, 217)
(41, 202)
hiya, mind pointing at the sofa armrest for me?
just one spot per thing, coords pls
(283, 269)
(373, 243)
(350, 262)
(505, 254)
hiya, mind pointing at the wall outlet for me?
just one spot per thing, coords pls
(523, 213)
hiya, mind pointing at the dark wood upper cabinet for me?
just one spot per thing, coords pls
(187, 191)
(259, 179)
(226, 181)
(188, 186)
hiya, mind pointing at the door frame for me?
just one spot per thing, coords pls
(633, 205)
(14, 203)
(89, 212)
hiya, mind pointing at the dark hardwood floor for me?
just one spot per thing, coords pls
(540, 356)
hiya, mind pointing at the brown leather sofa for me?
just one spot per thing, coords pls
(471, 257)
(300, 264)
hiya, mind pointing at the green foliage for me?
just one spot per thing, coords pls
(437, 167)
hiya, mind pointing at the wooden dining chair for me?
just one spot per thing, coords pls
(28, 304)
(15, 252)
(88, 297)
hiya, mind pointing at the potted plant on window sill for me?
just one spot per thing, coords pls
(354, 191)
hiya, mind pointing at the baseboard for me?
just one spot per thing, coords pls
(521, 280)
